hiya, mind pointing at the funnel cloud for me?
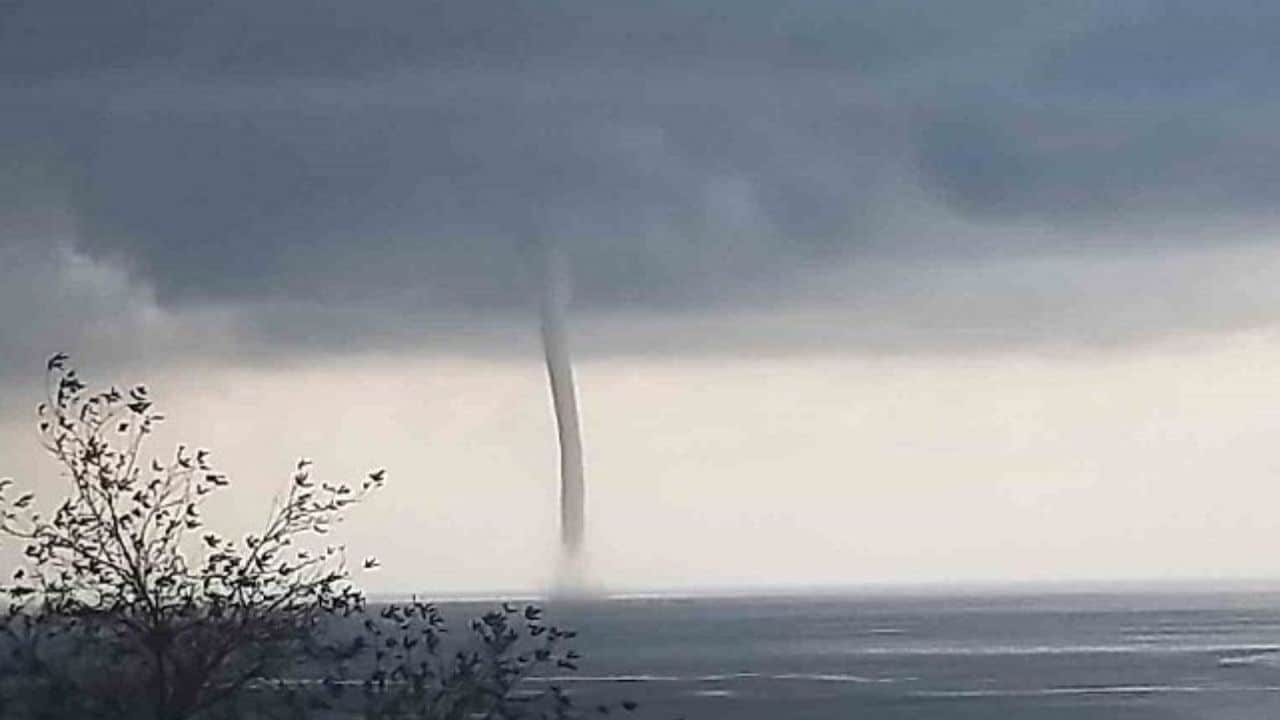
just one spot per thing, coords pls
(564, 398)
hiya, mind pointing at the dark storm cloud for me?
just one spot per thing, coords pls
(401, 157)
(328, 38)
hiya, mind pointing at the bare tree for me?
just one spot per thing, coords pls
(125, 603)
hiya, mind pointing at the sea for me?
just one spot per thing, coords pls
(900, 656)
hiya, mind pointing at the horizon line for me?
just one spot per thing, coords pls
(978, 588)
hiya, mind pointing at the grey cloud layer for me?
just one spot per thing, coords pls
(399, 159)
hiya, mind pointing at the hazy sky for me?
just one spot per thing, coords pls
(873, 291)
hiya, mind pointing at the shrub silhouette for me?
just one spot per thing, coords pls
(125, 575)
(407, 668)
(126, 605)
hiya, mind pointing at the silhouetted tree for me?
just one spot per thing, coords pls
(406, 667)
(126, 605)
(125, 602)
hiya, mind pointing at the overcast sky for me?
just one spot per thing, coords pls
(852, 282)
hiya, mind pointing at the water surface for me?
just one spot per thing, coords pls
(1126, 656)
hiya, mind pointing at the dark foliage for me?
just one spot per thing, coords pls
(402, 663)
(126, 605)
